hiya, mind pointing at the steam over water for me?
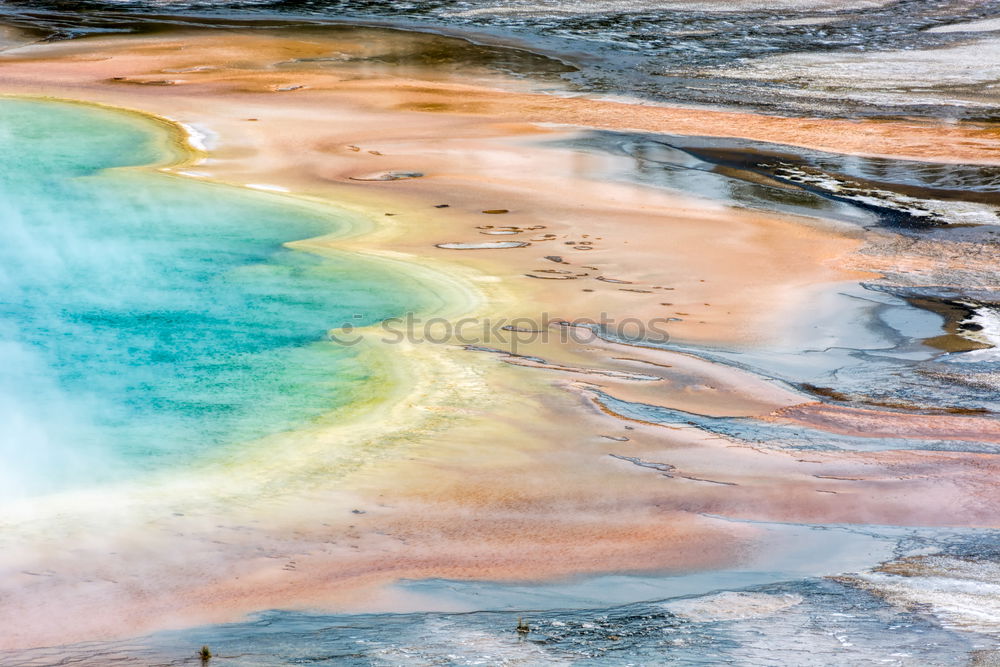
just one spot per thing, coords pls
(147, 319)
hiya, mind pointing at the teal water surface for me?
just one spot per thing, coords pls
(148, 320)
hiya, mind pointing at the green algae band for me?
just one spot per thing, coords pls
(149, 321)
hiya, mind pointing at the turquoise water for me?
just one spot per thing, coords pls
(148, 320)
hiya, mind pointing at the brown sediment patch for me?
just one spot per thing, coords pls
(531, 275)
(951, 277)
(954, 313)
(148, 82)
(491, 245)
(843, 397)
(387, 176)
(839, 396)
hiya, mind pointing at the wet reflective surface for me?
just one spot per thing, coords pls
(672, 52)
(843, 621)
(918, 342)
(902, 194)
